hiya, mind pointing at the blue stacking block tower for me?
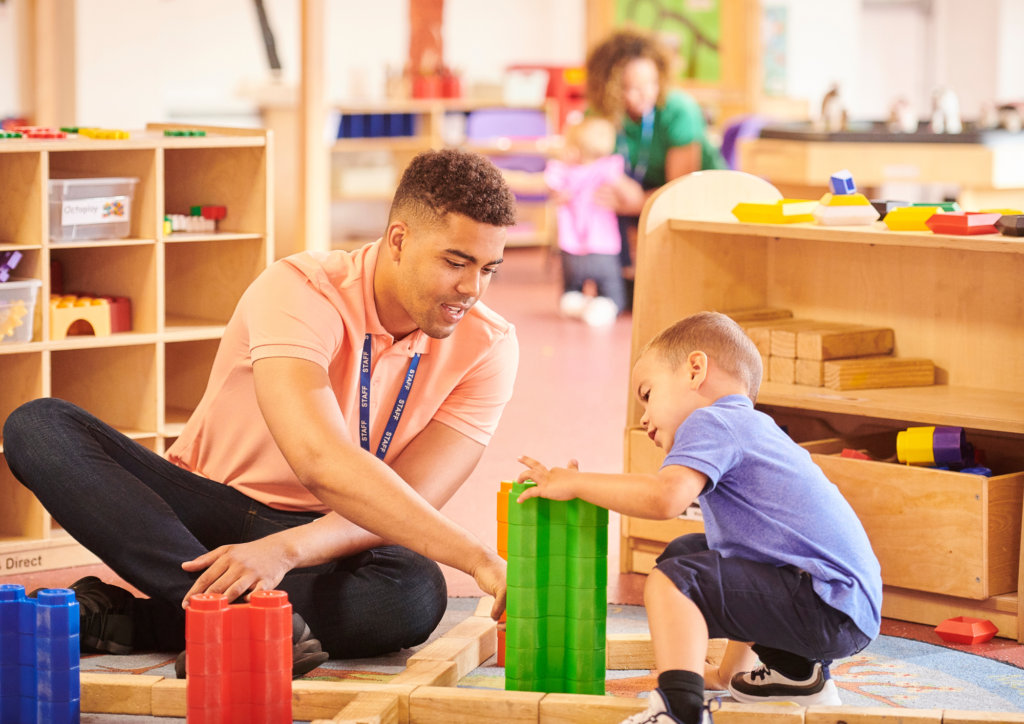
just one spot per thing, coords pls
(39, 657)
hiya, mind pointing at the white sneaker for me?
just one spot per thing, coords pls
(601, 312)
(657, 712)
(572, 304)
(763, 686)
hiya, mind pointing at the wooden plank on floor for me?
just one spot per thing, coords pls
(324, 699)
(118, 693)
(369, 708)
(429, 673)
(436, 705)
(480, 644)
(625, 652)
(980, 717)
(169, 698)
(785, 713)
(870, 715)
(582, 709)
(484, 606)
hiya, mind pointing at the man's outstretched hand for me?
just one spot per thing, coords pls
(490, 577)
(239, 569)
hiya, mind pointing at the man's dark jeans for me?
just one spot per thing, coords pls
(144, 516)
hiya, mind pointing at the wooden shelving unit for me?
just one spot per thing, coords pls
(428, 123)
(183, 287)
(949, 544)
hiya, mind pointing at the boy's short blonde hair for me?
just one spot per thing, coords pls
(717, 336)
(594, 137)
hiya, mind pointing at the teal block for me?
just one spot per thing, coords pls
(587, 603)
(527, 540)
(554, 630)
(584, 514)
(587, 573)
(525, 633)
(558, 512)
(533, 512)
(583, 634)
(584, 664)
(594, 688)
(588, 543)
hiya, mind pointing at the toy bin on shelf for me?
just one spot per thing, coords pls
(17, 309)
(90, 208)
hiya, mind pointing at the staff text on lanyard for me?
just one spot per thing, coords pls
(364, 401)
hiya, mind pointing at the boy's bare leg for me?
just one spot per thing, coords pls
(738, 658)
(678, 630)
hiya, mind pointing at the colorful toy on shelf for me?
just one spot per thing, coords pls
(884, 207)
(39, 656)
(9, 134)
(842, 183)
(963, 223)
(911, 218)
(191, 224)
(966, 630)
(557, 595)
(845, 210)
(104, 134)
(214, 213)
(948, 207)
(8, 261)
(68, 309)
(854, 454)
(39, 133)
(785, 211)
(938, 447)
(1011, 225)
(1003, 212)
(239, 659)
(191, 132)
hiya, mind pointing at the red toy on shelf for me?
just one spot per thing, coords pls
(239, 659)
(966, 630)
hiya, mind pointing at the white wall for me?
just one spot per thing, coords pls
(1010, 52)
(8, 60)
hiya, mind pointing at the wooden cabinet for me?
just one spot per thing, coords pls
(949, 543)
(183, 289)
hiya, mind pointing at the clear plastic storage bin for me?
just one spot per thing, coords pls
(91, 208)
(18, 309)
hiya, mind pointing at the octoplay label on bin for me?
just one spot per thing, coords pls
(105, 210)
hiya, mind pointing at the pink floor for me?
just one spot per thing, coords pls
(569, 402)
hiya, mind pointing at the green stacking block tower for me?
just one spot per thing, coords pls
(557, 595)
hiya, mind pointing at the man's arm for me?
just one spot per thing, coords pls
(373, 502)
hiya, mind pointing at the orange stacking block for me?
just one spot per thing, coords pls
(239, 659)
(68, 309)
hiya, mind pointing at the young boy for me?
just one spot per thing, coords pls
(784, 570)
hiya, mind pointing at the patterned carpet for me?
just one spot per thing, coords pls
(896, 670)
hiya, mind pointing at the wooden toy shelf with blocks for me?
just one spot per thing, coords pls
(949, 543)
(183, 289)
(368, 169)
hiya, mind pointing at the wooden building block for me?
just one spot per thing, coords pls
(436, 705)
(484, 606)
(624, 652)
(313, 700)
(783, 339)
(761, 332)
(733, 713)
(429, 673)
(842, 344)
(169, 698)
(582, 709)
(810, 372)
(980, 717)
(783, 369)
(867, 373)
(118, 693)
(467, 653)
(869, 715)
(765, 314)
(370, 708)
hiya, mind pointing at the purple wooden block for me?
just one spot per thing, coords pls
(949, 445)
(8, 260)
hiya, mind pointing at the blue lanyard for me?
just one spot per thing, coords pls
(364, 402)
(638, 170)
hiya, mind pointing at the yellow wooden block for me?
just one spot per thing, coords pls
(1004, 212)
(910, 218)
(844, 200)
(786, 211)
(66, 310)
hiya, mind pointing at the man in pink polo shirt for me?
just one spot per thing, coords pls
(351, 396)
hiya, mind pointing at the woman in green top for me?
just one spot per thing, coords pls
(661, 131)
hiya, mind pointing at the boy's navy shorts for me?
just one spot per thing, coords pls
(758, 603)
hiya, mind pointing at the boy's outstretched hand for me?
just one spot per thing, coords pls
(554, 484)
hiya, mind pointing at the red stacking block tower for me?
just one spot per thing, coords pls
(239, 659)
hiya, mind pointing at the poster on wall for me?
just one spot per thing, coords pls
(773, 38)
(691, 28)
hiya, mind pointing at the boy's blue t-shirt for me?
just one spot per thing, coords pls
(767, 501)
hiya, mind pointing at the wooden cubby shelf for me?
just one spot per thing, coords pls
(183, 288)
(949, 544)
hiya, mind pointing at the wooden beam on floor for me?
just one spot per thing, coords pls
(979, 717)
(870, 715)
(433, 705)
(579, 708)
(429, 673)
(168, 698)
(367, 708)
(118, 693)
(484, 606)
(626, 652)
(468, 645)
(759, 714)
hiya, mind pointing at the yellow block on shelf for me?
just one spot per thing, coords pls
(785, 211)
(1004, 212)
(844, 200)
(68, 309)
(910, 218)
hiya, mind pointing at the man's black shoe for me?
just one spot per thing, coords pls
(306, 651)
(105, 617)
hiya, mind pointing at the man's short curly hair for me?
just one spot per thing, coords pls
(606, 63)
(451, 181)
